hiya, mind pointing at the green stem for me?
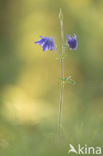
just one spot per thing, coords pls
(62, 72)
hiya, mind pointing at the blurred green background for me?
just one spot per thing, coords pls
(29, 85)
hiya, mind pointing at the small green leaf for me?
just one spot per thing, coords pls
(67, 77)
(61, 57)
(71, 81)
(60, 78)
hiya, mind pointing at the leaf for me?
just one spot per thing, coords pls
(62, 79)
(71, 81)
(61, 57)
(67, 77)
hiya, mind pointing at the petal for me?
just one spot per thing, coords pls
(45, 46)
(41, 41)
(73, 44)
(68, 37)
(74, 36)
(52, 44)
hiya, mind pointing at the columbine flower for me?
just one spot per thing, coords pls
(46, 43)
(72, 42)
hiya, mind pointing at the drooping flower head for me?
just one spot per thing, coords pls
(46, 43)
(72, 42)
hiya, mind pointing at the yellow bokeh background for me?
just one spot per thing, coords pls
(29, 84)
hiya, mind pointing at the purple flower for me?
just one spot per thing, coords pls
(46, 43)
(72, 42)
